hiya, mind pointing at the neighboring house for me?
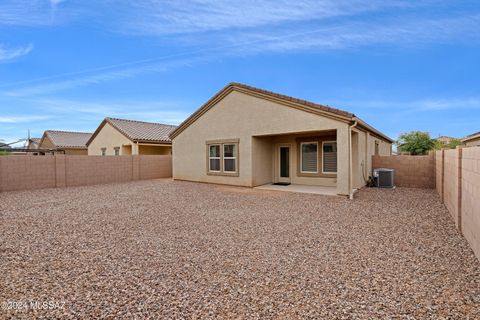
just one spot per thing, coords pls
(472, 140)
(33, 143)
(249, 137)
(445, 139)
(68, 142)
(130, 137)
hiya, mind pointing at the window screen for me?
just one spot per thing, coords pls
(229, 158)
(214, 157)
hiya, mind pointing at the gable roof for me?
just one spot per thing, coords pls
(472, 136)
(67, 139)
(138, 131)
(304, 105)
(33, 143)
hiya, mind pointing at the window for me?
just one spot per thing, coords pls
(229, 158)
(104, 151)
(376, 148)
(329, 157)
(214, 158)
(117, 151)
(309, 157)
(222, 157)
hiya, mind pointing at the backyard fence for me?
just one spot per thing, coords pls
(454, 174)
(458, 184)
(36, 172)
(410, 171)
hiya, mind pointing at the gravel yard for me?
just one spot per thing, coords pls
(164, 249)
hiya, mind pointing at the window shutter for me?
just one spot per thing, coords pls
(330, 157)
(309, 157)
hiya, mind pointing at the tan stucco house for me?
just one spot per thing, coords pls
(472, 140)
(67, 142)
(130, 137)
(33, 143)
(246, 136)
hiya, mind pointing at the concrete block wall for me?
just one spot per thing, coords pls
(459, 174)
(451, 183)
(410, 171)
(470, 197)
(37, 172)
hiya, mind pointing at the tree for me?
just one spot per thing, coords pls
(415, 142)
(454, 143)
(438, 145)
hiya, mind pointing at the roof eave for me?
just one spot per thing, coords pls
(234, 86)
(372, 129)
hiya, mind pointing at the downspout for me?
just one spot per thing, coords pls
(350, 156)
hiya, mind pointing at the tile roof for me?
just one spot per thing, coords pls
(142, 131)
(68, 139)
(472, 136)
(341, 114)
(295, 100)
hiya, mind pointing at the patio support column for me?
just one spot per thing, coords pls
(343, 161)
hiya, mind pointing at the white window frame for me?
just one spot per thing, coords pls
(323, 157)
(116, 151)
(215, 158)
(229, 158)
(301, 156)
(103, 151)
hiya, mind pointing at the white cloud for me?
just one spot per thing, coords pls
(27, 13)
(21, 118)
(106, 74)
(360, 34)
(8, 54)
(194, 16)
(417, 105)
(171, 112)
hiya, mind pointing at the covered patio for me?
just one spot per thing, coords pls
(307, 162)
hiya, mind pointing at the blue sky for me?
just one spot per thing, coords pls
(399, 65)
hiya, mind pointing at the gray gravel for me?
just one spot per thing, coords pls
(163, 249)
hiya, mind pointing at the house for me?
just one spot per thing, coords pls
(472, 140)
(130, 137)
(246, 136)
(445, 139)
(33, 143)
(67, 142)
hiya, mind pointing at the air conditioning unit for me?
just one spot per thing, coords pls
(383, 178)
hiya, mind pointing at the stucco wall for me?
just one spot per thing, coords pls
(473, 143)
(241, 116)
(109, 138)
(46, 144)
(76, 152)
(262, 160)
(33, 172)
(155, 150)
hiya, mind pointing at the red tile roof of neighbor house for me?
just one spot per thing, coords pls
(68, 139)
(138, 131)
(325, 110)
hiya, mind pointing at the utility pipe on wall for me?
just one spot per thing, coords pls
(350, 173)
